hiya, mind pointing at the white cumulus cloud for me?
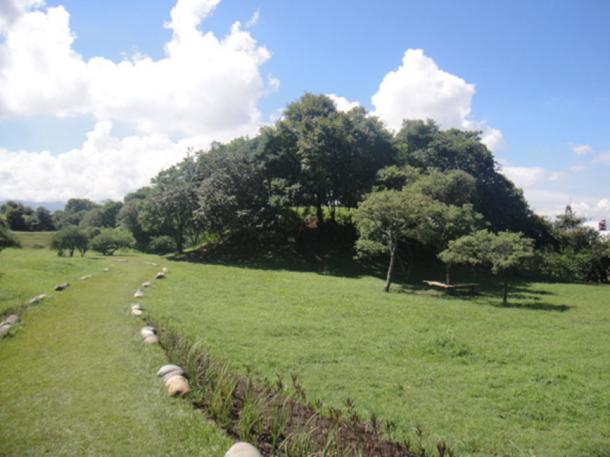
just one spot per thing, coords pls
(419, 89)
(203, 86)
(530, 176)
(342, 103)
(103, 167)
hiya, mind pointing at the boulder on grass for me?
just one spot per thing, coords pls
(84, 278)
(177, 385)
(138, 294)
(136, 312)
(60, 287)
(165, 369)
(11, 320)
(4, 329)
(171, 374)
(151, 339)
(164, 270)
(146, 284)
(242, 449)
(147, 331)
(106, 270)
(37, 299)
(160, 275)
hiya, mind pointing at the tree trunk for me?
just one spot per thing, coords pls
(319, 214)
(447, 273)
(505, 295)
(388, 279)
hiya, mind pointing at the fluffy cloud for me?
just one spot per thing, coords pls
(342, 103)
(581, 149)
(419, 89)
(103, 167)
(204, 86)
(530, 176)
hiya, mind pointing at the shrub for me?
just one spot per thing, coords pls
(111, 240)
(7, 239)
(162, 245)
(70, 238)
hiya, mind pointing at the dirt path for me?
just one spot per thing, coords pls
(77, 380)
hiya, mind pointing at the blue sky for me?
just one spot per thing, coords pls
(540, 69)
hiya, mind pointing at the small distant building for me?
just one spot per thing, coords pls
(601, 225)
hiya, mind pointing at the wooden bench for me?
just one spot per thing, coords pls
(451, 287)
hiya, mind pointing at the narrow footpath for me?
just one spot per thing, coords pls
(77, 379)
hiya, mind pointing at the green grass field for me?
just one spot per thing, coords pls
(34, 240)
(76, 379)
(531, 379)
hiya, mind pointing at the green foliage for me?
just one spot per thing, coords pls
(111, 240)
(579, 254)
(70, 239)
(20, 217)
(7, 239)
(503, 253)
(387, 218)
(170, 205)
(162, 244)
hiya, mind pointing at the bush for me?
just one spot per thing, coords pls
(7, 239)
(573, 265)
(69, 239)
(108, 241)
(162, 245)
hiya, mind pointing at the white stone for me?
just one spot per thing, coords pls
(177, 385)
(84, 278)
(106, 270)
(11, 320)
(160, 275)
(37, 299)
(60, 287)
(136, 312)
(4, 329)
(146, 284)
(138, 294)
(164, 270)
(151, 339)
(171, 374)
(147, 332)
(168, 369)
(242, 449)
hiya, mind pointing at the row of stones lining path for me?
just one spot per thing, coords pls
(96, 393)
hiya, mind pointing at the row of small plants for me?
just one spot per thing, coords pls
(279, 419)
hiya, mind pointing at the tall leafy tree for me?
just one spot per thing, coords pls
(170, 205)
(386, 218)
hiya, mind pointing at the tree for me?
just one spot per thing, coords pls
(70, 238)
(7, 239)
(111, 240)
(386, 218)
(503, 253)
(17, 215)
(331, 157)
(235, 197)
(43, 220)
(169, 208)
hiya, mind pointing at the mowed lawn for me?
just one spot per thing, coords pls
(75, 378)
(532, 379)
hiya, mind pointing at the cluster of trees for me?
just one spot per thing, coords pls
(320, 158)
(419, 187)
(20, 217)
(106, 241)
(577, 253)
